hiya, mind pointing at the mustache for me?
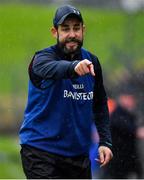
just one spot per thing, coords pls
(72, 40)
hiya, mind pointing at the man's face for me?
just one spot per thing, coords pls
(70, 35)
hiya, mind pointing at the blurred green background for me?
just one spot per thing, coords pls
(115, 36)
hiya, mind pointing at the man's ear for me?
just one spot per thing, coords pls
(84, 28)
(54, 32)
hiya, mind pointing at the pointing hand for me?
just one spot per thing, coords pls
(84, 67)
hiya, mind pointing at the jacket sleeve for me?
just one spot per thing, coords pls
(47, 66)
(100, 108)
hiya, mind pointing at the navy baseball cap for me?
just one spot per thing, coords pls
(63, 12)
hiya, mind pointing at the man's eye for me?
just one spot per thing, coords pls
(76, 28)
(65, 29)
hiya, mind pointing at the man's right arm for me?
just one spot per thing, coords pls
(47, 66)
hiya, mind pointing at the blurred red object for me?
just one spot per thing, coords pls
(111, 105)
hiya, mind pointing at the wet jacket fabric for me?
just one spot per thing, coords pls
(61, 105)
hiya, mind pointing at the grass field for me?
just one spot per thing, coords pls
(25, 28)
(10, 164)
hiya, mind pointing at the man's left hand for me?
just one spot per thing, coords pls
(105, 155)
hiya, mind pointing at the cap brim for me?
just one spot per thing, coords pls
(68, 14)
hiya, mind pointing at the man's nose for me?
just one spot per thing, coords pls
(72, 33)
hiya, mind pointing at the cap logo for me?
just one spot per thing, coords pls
(76, 12)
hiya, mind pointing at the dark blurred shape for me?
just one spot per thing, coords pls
(125, 163)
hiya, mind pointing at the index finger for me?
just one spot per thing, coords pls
(91, 69)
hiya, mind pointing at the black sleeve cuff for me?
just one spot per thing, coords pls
(107, 144)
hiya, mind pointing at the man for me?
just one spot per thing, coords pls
(66, 94)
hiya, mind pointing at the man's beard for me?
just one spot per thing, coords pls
(63, 47)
